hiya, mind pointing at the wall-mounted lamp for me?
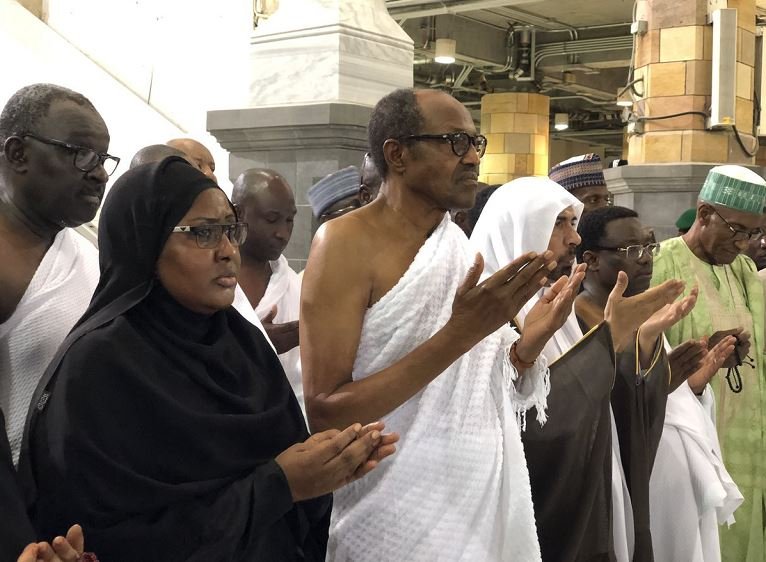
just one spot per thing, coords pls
(561, 121)
(445, 51)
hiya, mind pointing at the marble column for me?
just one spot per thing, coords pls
(516, 127)
(316, 69)
(669, 158)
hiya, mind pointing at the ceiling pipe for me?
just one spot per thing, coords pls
(582, 46)
(439, 8)
(586, 98)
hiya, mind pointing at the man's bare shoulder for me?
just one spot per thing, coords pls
(358, 231)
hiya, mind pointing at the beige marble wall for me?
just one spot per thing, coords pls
(675, 61)
(516, 127)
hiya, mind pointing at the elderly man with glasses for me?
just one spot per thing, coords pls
(53, 171)
(395, 324)
(731, 299)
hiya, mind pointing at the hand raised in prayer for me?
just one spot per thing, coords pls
(626, 314)
(549, 314)
(62, 549)
(743, 347)
(331, 459)
(685, 360)
(713, 360)
(283, 336)
(666, 317)
(479, 310)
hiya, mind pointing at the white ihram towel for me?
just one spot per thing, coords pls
(458, 486)
(56, 297)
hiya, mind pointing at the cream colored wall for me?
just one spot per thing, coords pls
(153, 69)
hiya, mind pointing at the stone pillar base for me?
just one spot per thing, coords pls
(304, 143)
(659, 193)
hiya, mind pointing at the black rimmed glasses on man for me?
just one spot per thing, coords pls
(208, 236)
(737, 233)
(635, 251)
(460, 142)
(86, 159)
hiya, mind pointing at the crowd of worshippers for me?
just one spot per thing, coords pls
(462, 372)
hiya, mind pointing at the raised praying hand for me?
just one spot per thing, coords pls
(626, 314)
(61, 549)
(743, 344)
(549, 314)
(331, 459)
(685, 360)
(713, 360)
(480, 309)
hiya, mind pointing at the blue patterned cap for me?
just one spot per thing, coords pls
(332, 188)
(580, 171)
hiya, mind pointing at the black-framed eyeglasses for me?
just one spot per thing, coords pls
(636, 251)
(460, 142)
(739, 234)
(86, 159)
(208, 236)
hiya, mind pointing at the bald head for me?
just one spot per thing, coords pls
(156, 153)
(266, 203)
(198, 153)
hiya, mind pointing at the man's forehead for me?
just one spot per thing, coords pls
(68, 120)
(627, 229)
(442, 111)
(568, 213)
(742, 218)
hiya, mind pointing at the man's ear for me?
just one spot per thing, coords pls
(704, 212)
(15, 154)
(591, 259)
(394, 152)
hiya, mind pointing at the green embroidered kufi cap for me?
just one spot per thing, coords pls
(735, 187)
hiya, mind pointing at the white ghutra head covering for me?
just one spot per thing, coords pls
(518, 218)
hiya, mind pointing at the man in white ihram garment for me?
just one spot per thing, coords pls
(271, 288)
(575, 462)
(395, 326)
(53, 172)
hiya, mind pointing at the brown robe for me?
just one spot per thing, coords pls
(569, 458)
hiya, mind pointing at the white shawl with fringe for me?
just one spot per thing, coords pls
(458, 486)
(57, 295)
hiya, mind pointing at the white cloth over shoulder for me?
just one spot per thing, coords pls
(519, 217)
(243, 306)
(284, 292)
(458, 486)
(57, 295)
(691, 493)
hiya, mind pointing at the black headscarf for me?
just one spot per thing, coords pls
(155, 427)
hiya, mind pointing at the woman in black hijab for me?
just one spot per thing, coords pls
(165, 424)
